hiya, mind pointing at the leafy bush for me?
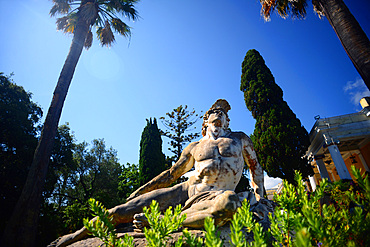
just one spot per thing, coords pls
(161, 227)
(103, 228)
(300, 219)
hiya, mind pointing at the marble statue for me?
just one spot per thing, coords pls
(218, 159)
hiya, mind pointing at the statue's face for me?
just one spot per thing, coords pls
(217, 118)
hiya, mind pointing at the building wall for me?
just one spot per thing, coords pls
(365, 151)
(333, 174)
(358, 165)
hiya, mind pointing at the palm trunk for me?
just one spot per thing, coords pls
(22, 227)
(353, 38)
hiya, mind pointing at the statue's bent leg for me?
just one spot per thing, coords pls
(166, 197)
(124, 213)
(221, 209)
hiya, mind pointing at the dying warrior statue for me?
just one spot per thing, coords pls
(218, 159)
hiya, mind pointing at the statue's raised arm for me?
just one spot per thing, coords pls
(250, 157)
(166, 178)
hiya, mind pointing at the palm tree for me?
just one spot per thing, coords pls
(79, 19)
(353, 38)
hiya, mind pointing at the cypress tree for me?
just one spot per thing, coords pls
(279, 138)
(152, 160)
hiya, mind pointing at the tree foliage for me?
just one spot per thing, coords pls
(152, 160)
(19, 127)
(62, 165)
(104, 16)
(179, 124)
(78, 18)
(96, 174)
(129, 181)
(78, 172)
(279, 138)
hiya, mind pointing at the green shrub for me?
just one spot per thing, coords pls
(161, 226)
(299, 220)
(103, 228)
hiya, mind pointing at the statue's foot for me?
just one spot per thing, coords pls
(263, 208)
(62, 241)
(54, 243)
(140, 221)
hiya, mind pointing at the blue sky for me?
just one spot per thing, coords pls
(181, 52)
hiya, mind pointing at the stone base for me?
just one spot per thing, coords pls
(260, 211)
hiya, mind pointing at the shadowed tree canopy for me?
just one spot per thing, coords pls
(79, 17)
(353, 38)
(19, 126)
(279, 138)
(179, 123)
(129, 181)
(96, 174)
(152, 160)
(78, 172)
(53, 220)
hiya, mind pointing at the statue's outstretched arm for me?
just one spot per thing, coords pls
(166, 178)
(250, 157)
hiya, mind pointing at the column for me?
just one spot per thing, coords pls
(339, 162)
(363, 161)
(332, 176)
(313, 183)
(322, 169)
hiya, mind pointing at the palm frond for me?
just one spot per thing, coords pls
(99, 22)
(67, 23)
(105, 35)
(127, 9)
(295, 8)
(89, 12)
(298, 8)
(103, 14)
(62, 22)
(121, 27)
(268, 7)
(283, 8)
(88, 40)
(60, 7)
(318, 8)
(62, 1)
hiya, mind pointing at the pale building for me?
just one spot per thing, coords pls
(274, 190)
(339, 142)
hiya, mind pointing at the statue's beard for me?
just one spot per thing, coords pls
(216, 130)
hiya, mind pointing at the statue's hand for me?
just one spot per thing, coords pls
(140, 221)
(258, 197)
(132, 196)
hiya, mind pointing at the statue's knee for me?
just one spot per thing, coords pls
(227, 203)
(232, 202)
(224, 207)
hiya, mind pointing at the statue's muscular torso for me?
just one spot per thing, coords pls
(218, 163)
